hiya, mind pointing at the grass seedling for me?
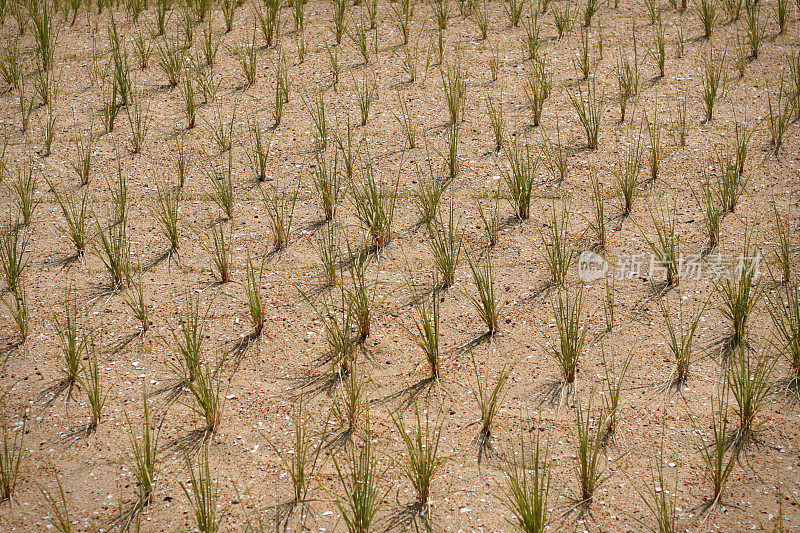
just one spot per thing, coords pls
(446, 246)
(366, 92)
(720, 456)
(589, 110)
(781, 15)
(785, 313)
(494, 62)
(665, 246)
(426, 337)
(730, 185)
(520, 178)
(60, 519)
(609, 303)
(779, 117)
(74, 345)
(209, 45)
(454, 88)
(317, 112)
(170, 59)
(247, 55)
(598, 222)
(137, 303)
(205, 390)
(626, 175)
(538, 88)
(755, 31)
(440, 12)
(513, 9)
(627, 74)
(228, 8)
(218, 250)
(258, 153)
(712, 211)
(166, 213)
(24, 189)
(45, 33)
(733, 9)
(422, 461)
(591, 467)
(741, 141)
(302, 460)
(12, 259)
(491, 219)
(658, 500)
(139, 120)
(345, 144)
(327, 247)
(749, 382)
(222, 133)
(360, 477)
(495, 112)
(143, 461)
(558, 251)
(527, 486)
(12, 453)
(222, 187)
(269, 22)
(562, 19)
(327, 182)
(360, 296)
(339, 336)
(252, 288)
(488, 398)
(656, 149)
(486, 303)
(280, 206)
(83, 149)
(202, 494)
(679, 123)
(583, 63)
(75, 216)
(613, 381)
(556, 154)
(740, 293)
(679, 337)
(589, 12)
(339, 19)
(783, 250)
(707, 13)
(712, 81)
(114, 250)
(189, 105)
(427, 194)
(531, 41)
(17, 304)
(480, 15)
(406, 122)
(91, 383)
(571, 335)
(375, 204)
(401, 15)
(360, 39)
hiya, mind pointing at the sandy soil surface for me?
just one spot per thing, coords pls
(261, 382)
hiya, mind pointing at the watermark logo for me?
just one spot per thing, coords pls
(591, 266)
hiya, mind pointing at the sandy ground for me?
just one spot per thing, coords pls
(261, 387)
